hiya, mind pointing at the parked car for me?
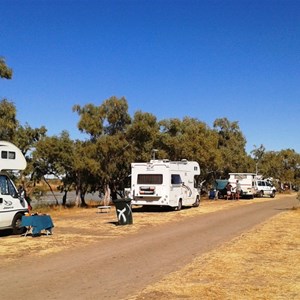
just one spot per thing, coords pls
(264, 188)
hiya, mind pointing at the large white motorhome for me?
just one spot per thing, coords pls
(165, 183)
(12, 207)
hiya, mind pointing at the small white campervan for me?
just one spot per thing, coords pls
(12, 207)
(165, 183)
(246, 181)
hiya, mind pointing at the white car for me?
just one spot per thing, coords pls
(264, 188)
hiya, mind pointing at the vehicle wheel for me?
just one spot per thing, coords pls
(272, 195)
(179, 207)
(261, 194)
(16, 224)
(197, 202)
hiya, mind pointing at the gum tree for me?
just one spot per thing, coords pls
(231, 144)
(107, 146)
(5, 71)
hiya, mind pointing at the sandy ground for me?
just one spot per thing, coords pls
(89, 257)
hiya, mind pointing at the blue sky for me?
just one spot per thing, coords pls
(202, 59)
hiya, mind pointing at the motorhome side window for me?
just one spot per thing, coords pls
(8, 155)
(176, 179)
(150, 179)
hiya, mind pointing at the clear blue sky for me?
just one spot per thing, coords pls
(202, 59)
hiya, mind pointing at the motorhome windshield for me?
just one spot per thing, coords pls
(6, 187)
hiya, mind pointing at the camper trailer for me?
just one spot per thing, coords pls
(246, 180)
(253, 185)
(12, 206)
(165, 183)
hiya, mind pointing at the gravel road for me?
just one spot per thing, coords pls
(118, 268)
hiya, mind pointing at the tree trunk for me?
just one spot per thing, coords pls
(56, 201)
(77, 199)
(64, 199)
(106, 199)
(82, 195)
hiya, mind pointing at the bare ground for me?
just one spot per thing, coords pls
(89, 257)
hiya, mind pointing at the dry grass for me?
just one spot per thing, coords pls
(261, 264)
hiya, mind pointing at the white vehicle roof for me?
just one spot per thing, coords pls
(242, 173)
(11, 157)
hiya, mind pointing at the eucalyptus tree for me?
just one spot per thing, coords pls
(170, 139)
(283, 166)
(8, 120)
(193, 140)
(54, 155)
(113, 158)
(231, 144)
(26, 137)
(106, 126)
(5, 71)
(290, 161)
(200, 144)
(258, 154)
(142, 136)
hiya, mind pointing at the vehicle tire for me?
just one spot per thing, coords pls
(261, 194)
(197, 202)
(272, 195)
(179, 207)
(16, 224)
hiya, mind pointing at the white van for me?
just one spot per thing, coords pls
(165, 183)
(12, 207)
(264, 188)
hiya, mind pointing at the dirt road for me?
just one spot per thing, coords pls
(118, 268)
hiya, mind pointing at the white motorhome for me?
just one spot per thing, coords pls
(165, 183)
(12, 207)
(246, 181)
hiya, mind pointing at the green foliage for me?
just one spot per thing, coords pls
(26, 137)
(142, 135)
(231, 144)
(115, 114)
(53, 156)
(91, 120)
(104, 160)
(5, 71)
(8, 120)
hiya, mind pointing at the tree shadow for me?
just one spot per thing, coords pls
(156, 209)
